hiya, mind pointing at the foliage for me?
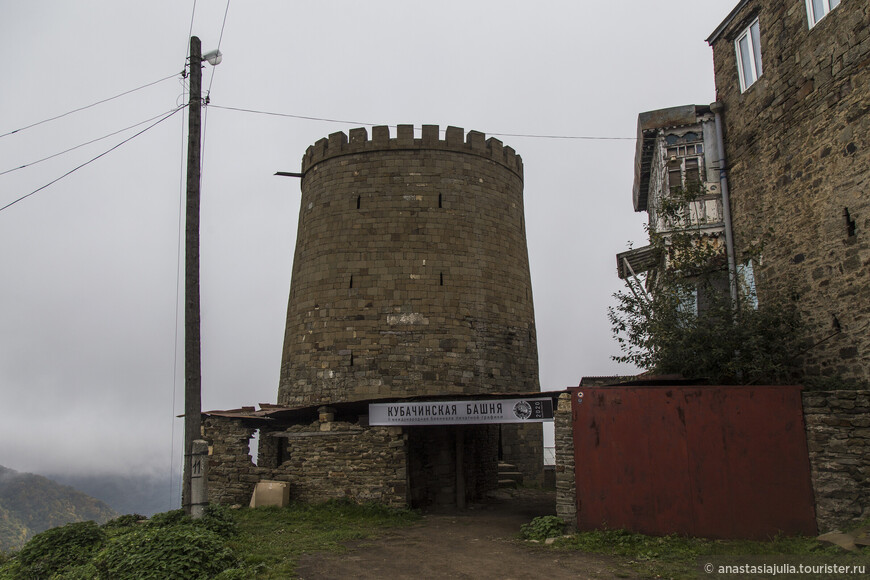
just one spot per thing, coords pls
(223, 544)
(689, 325)
(155, 552)
(53, 550)
(543, 527)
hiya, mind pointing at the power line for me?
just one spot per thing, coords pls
(89, 106)
(91, 160)
(220, 39)
(86, 143)
(328, 120)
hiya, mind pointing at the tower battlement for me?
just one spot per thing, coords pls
(455, 140)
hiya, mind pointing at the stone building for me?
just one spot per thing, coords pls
(676, 181)
(792, 77)
(410, 284)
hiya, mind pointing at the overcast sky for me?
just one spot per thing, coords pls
(89, 330)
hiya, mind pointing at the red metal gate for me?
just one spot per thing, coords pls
(710, 461)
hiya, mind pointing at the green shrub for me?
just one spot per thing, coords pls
(165, 551)
(53, 550)
(543, 527)
(124, 521)
(218, 519)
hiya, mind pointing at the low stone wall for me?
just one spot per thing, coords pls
(838, 439)
(231, 473)
(566, 492)
(320, 461)
(340, 460)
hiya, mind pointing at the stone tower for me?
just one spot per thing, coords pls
(411, 274)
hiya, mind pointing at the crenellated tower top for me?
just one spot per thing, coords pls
(455, 140)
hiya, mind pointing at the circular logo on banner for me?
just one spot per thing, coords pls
(523, 410)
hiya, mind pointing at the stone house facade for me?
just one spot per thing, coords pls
(792, 77)
(677, 182)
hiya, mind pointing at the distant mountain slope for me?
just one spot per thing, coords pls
(30, 504)
(140, 493)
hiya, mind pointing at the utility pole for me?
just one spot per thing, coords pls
(192, 373)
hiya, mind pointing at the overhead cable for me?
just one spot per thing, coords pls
(128, 139)
(86, 143)
(89, 106)
(307, 118)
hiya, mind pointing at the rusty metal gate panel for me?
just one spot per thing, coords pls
(711, 461)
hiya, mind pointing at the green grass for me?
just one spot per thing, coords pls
(225, 544)
(679, 557)
(270, 540)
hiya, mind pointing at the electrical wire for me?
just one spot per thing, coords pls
(220, 39)
(127, 140)
(328, 120)
(86, 143)
(89, 106)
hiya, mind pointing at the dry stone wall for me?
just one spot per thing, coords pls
(838, 439)
(320, 461)
(566, 490)
(798, 149)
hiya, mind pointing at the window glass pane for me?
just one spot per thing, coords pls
(834, 4)
(755, 31)
(818, 10)
(745, 61)
(693, 175)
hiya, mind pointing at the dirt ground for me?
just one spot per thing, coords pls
(480, 542)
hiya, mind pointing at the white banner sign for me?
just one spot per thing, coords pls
(462, 412)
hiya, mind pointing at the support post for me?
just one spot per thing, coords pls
(192, 372)
(198, 478)
(460, 467)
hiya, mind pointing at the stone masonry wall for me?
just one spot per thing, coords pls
(347, 461)
(320, 461)
(838, 438)
(798, 149)
(231, 473)
(566, 491)
(411, 272)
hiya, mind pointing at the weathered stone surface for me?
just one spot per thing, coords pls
(411, 273)
(361, 464)
(566, 492)
(411, 276)
(839, 461)
(798, 149)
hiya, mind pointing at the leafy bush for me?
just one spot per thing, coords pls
(543, 527)
(220, 520)
(54, 550)
(123, 521)
(162, 551)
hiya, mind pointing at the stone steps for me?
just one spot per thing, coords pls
(508, 476)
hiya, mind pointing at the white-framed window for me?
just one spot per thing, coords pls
(748, 47)
(817, 9)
